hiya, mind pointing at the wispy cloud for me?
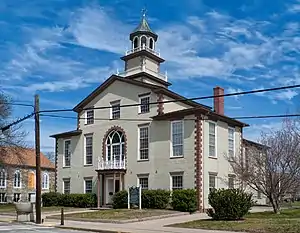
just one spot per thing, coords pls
(295, 7)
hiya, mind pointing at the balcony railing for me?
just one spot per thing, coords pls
(143, 48)
(111, 164)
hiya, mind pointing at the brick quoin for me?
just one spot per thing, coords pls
(198, 161)
(160, 104)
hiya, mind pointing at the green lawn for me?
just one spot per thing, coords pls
(266, 222)
(120, 214)
(6, 208)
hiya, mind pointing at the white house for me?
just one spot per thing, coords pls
(133, 130)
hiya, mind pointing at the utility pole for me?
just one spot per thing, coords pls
(38, 195)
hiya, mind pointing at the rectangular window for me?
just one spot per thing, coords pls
(145, 104)
(88, 150)
(177, 182)
(115, 110)
(3, 198)
(177, 138)
(88, 186)
(89, 117)
(143, 182)
(17, 197)
(212, 181)
(231, 181)
(67, 185)
(144, 142)
(67, 153)
(2, 178)
(258, 194)
(231, 143)
(212, 139)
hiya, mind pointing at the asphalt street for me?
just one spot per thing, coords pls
(26, 228)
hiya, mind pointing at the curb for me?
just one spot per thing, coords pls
(89, 230)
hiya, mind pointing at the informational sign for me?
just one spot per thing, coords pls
(135, 196)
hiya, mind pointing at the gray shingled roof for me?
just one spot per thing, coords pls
(143, 26)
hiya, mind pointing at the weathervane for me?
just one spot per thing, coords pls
(144, 12)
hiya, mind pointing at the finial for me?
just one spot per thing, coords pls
(144, 11)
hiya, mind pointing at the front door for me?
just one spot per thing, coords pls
(110, 189)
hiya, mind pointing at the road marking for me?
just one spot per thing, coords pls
(16, 227)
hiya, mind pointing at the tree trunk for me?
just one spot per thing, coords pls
(275, 204)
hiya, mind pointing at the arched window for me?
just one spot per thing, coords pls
(2, 178)
(17, 179)
(143, 41)
(135, 43)
(151, 43)
(31, 180)
(115, 146)
(45, 181)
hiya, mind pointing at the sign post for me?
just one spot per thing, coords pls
(135, 196)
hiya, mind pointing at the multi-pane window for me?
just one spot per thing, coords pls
(177, 182)
(115, 110)
(212, 139)
(144, 142)
(88, 150)
(88, 186)
(212, 181)
(67, 154)
(231, 143)
(115, 146)
(67, 186)
(144, 182)
(17, 179)
(45, 181)
(258, 194)
(90, 116)
(177, 138)
(17, 197)
(2, 178)
(3, 198)
(231, 181)
(145, 104)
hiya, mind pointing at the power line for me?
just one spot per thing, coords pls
(133, 119)
(16, 122)
(16, 104)
(182, 100)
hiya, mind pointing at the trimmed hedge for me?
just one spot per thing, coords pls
(155, 199)
(70, 200)
(120, 200)
(229, 204)
(184, 200)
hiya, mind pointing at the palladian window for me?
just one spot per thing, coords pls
(115, 146)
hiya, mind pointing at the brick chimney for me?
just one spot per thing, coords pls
(219, 101)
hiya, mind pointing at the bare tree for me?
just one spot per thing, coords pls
(271, 167)
(11, 140)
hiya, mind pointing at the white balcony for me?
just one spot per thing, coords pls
(142, 48)
(111, 164)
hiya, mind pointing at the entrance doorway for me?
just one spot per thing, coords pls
(111, 188)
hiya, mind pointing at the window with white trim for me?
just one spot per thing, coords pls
(45, 181)
(3, 198)
(67, 185)
(2, 178)
(212, 181)
(177, 138)
(143, 182)
(177, 181)
(212, 139)
(115, 110)
(17, 179)
(144, 142)
(144, 104)
(67, 153)
(88, 150)
(231, 142)
(89, 117)
(88, 186)
(17, 197)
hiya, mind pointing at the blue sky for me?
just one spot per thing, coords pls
(63, 49)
